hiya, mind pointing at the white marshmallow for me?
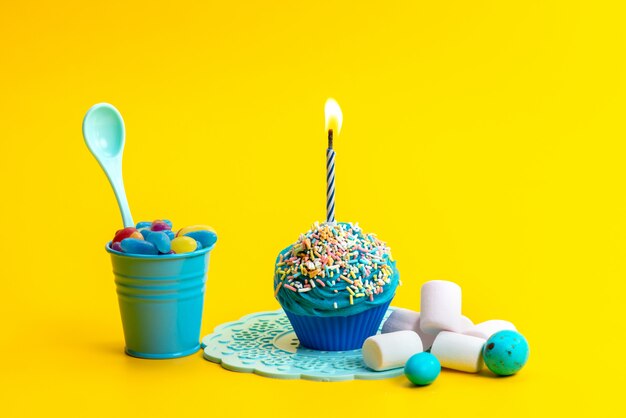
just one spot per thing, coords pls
(401, 319)
(390, 351)
(459, 351)
(488, 328)
(441, 307)
(406, 319)
(465, 324)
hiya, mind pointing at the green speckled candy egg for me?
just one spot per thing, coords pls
(506, 352)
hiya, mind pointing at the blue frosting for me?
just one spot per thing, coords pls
(324, 301)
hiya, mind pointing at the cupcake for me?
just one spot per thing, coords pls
(335, 284)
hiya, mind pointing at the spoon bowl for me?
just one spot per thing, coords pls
(103, 129)
(105, 135)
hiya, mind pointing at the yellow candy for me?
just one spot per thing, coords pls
(193, 228)
(184, 245)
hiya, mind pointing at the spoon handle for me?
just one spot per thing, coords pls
(113, 171)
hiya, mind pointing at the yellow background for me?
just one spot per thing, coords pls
(483, 140)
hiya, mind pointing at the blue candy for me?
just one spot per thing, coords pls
(170, 234)
(145, 232)
(206, 238)
(422, 369)
(505, 352)
(143, 225)
(160, 240)
(138, 246)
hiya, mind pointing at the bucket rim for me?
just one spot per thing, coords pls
(163, 257)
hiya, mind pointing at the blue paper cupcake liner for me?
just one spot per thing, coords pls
(337, 333)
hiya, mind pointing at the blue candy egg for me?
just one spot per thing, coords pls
(160, 240)
(170, 234)
(422, 369)
(145, 232)
(206, 238)
(138, 246)
(143, 225)
(506, 352)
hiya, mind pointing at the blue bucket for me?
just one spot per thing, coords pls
(161, 300)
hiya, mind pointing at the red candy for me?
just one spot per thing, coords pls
(129, 232)
(159, 225)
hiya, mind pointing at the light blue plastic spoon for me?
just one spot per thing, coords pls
(104, 133)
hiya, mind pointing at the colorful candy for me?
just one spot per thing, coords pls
(159, 225)
(206, 238)
(184, 245)
(422, 369)
(161, 241)
(157, 238)
(506, 352)
(193, 228)
(129, 232)
(138, 246)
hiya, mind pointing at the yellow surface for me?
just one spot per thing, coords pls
(483, 140)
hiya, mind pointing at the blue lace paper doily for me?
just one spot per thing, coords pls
(264, 343)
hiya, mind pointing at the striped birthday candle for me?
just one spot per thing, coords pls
(330, 179)
(334, 119)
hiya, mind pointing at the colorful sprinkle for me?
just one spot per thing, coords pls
(277, 289)
(331, 253)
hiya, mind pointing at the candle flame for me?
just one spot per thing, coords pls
(333, 115)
